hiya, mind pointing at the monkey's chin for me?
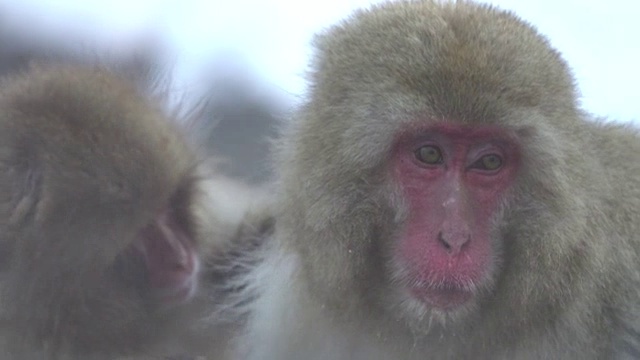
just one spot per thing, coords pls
(169, 298)
(445, 299)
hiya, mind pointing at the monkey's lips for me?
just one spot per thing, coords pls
(171, 261)
(442, 297)
(178, 295)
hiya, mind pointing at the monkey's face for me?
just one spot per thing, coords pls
(166, 250)
(452, 181)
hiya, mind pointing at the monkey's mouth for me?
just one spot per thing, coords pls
(171, 282)
(447, 297)
(178, 295)
(169, 256)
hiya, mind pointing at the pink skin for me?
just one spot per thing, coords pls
(170, 257)
(446, 242)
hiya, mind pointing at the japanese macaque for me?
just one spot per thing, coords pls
(112, 233)
(441, 195)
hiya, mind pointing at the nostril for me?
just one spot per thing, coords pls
(453, 244)
(442, 241)
(466, 242)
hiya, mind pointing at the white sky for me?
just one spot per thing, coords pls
(600, 39)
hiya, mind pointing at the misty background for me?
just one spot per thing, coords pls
(248, 58)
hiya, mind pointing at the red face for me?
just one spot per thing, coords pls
(453, 178)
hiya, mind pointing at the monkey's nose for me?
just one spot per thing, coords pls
(453, 244)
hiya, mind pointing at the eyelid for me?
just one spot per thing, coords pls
(495, 148)
(477, 164)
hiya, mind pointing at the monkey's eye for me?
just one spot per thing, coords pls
(489, 162)
(429, 154)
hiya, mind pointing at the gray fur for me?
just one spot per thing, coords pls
(85, 163)
(567, 285)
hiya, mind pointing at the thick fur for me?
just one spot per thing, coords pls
(567, 283)
(85, 162)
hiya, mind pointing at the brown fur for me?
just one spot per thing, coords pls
(567, 285)
(85, 162)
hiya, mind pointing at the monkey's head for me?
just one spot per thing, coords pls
(428, 174)
(102, 180)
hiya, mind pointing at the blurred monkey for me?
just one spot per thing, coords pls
(109, 224)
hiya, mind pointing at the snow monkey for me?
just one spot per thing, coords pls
(113, 233)
(441, 195)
